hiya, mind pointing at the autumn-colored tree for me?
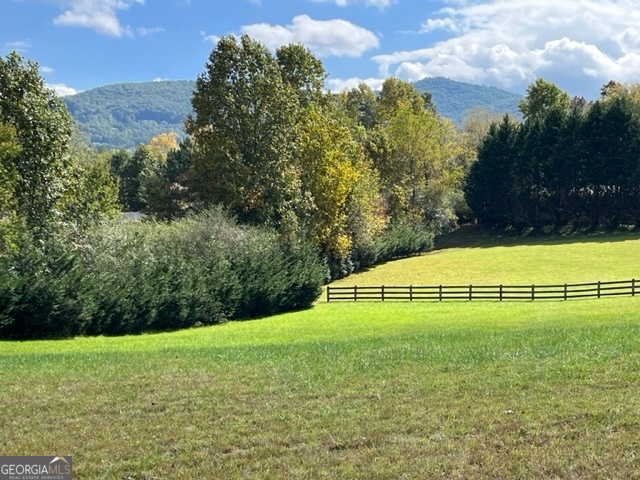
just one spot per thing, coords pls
(162, 144)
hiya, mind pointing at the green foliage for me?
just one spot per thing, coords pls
(9, 148)
(129, 169)
(43, 129)
(141, 276)
(571, 164)
(41, 290)
(92, 195)
(541, 97)
(122, 116)
(244, 129)
(165, 186)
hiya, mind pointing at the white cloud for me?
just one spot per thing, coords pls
(62, 89)
(45, 69)
(210, 38)
(326, 38)
(20, 46)
(99, 15)
(160, 79)
(381, 4)
(339, 85)
(145, 32)
(578, 44)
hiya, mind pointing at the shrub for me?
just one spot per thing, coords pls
(41, 291)
(137, 277)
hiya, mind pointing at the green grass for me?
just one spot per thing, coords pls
(372, 391)
(478, 257)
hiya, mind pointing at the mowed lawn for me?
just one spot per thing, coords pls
(397, 390)
(475, 256)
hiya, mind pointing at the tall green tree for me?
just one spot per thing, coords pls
(303, 73)
(244, 128)
(9, 149)
(541, 97)
(489, 188)
(360, 105)
(43, 129)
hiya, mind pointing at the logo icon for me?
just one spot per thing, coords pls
(36, 468)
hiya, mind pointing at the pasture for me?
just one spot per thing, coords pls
(374, 391)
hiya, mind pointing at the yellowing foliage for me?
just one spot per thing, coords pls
(162, 144)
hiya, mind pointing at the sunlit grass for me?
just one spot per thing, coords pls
(513, 261)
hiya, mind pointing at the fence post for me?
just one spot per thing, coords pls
(565, 291)
(440, 293)
(328, 296)
(500, 292)
(355, 293)
(533, 292)
(633, 287)
(598, 288)
(470, 292)
(382, 291)
(411, 293)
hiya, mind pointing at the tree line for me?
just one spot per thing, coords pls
(279, 187)
(571, 163)
(363, 176)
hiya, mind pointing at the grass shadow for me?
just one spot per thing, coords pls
(477, 236)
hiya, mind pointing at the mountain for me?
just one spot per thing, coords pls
(127, 114)
(453, 99)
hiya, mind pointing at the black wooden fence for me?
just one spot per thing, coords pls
(500, 293)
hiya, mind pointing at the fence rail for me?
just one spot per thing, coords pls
(500, 293)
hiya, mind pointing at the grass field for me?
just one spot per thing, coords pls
(372, 391)
(475, 256)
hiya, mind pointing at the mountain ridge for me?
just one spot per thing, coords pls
(124, 115)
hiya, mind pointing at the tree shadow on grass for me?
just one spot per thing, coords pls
(477, 236)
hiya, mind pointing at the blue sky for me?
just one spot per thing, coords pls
(578, 44)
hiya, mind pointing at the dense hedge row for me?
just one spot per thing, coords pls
(135, 277)
(398, 241)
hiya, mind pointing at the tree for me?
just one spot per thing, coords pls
(396, 94)
(489, 190)
(43, 129)
(9, 149)
(540, 98)
(93, 195)
(303, 73)
(165, 188)
(420, 172)
(162, 144)
(331, 163)
(244, 129)
(128, 169)
(360, 105)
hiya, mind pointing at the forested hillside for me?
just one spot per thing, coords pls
(454, 99)
(128, 114)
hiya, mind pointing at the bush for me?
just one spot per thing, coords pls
(143, 276)
(398, 241)
(41, 291)
(403, 240)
